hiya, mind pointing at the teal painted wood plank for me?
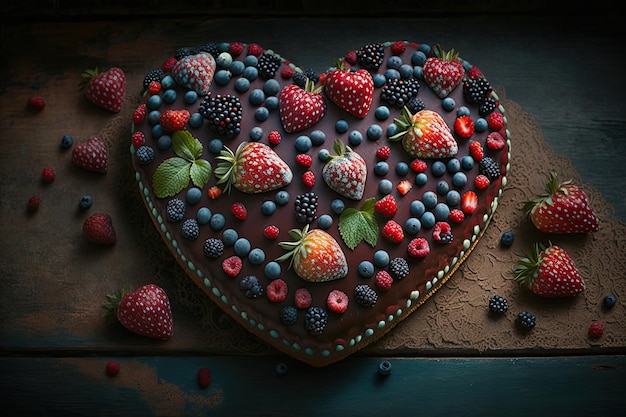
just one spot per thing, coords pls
(245, 386)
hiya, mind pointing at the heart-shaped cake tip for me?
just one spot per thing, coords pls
(105, 89)
(145, 311)
(98, 228)
(195, 72)
(91, 155)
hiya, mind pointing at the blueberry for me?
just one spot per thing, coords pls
(203, 215)
(442, 211)
(261, 114)
(428, 220)
(271, 103)
(412, 226)
(365, 269)
(429, 198)
(215, 146)
(392, 129)
(402, 168)
(453, 165)
(86, 201)
(217, 222)
(385, 186)
(325, 221)
(250, 73)
(418, 72)
(459, 179)
(323, 155)
(392, 74)
(448, 104)
(463, 111)
(272, 270)
(271, 87)
(237, 67)
(224, 60)
(394, 62)
(256, 97)
(222, 77)
(256, 256)
(193, 195)
(303, 143)
(381, 168)
(480, 125)
(341, 126)
(453, 198)
(406, 71)
(169, 96)
(282, 197)
(242, 85)
(281, 368)
(609, 301)
(154, 102)
(384, 368)
(195, 120)
(268, 207)
(421, 179)
(256, 133)
(382, 113)
(229, 237)
(67, 141)
(337, 206)
(355, 138)
(467, 162)
(425, 48)
(507, 239)
(379, 80)
(251, 60)
(168, 82)
(157, 131)
(418, 58)
(417, 208)
(318, 137)
(164, 142)
(381, 258)
(242, 247)
(374, 132)
(153, 117)
(438, 168)
(443, 187)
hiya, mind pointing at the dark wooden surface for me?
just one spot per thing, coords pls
(566, 71)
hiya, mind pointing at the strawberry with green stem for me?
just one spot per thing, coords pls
(345, 172)
(350, 90)
(300, 108)
(425, 135)
(444, 71)
(105, 89)
(314, 255)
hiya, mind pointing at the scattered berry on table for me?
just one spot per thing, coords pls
(98, 228)
(308, 179)
(416, 105)
(267, 65)
(48, 175)
(238, 209)
(271, 232)
(383, 152)
(155, 74)
(33, 203)
(112, 368)
(393, 232)
(223, 112)
(609, 301)
(304, 160)
(371, 55)
(418, 248)
(315, 320)
(495, 141)
(137, 139)
(281, 368)
(204, 377)
(507, 239)
(498, 305)
(274, 137)
(526, 320)
(144, 155)
(489, 168)
(305, 206)
(36, 102)
(476, 150)
(481, 182)
(67, 141)
(476, 90)
(398, 92)
(384, 368)
(86, 202)
(487, 106)
(596, 329)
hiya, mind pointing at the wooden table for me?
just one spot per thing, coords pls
(53, 342)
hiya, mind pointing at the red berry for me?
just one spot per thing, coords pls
(274, 137)
(456, 216)
(398, 47)
(383, 280)
(139, 114)
(287, 73)
(476, 150)
(36, 102)
(442, 232)
(304, 160)
(383, 152)
(235, 48)
(238, 209)
(277, 290)
(214, 192)
(271, 232)
(350, 57)
(469, 202)
(112, 368)
(393, 232)
(464, 126)
(418, 165)
(495, 141)
(596, 329)
(154, 87)
(474, 73)
(302, 298)
(337, 301)
(232, 265)
(386, 206)
(481, 182)
(404, 187)
(308, 178)
(255, 49)
(495, 121)
(138, 139)
(418, 247)
(48, 175)
(33, 203)
(169, 64)
(204, 377)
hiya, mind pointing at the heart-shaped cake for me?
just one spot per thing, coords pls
(320, 209)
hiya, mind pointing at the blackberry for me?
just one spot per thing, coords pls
(210, 47)
(288, 315)
(213, 248)
(398, 268)
(155, 74)
(371, 56)
(498, 305)
(299, 78)
(250, 286)
(190, 229)
(267, 65)
(365, 295)
(526, 320)
(223, 113)
(305, 206)
(398, 92)
(144, 154)
(315, 320)
(487, 106)
(475, 90)
(489, 168)
(182, 52)
(415, 105)
(175, 210)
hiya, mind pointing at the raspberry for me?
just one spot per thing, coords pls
(36, 102)
(277, 290)
(235, 48)
(214, 192)
(393, 232)
(274, 137)
(138, 139)
(481, 182)
(302, 298)
(476, 150)
(48, 175)
(232, 265)
(168, 64)
(287, 73)
(139, 114)
(456, 216)
(383, 280)
(383, 152)
(255, 49)
(387, 206)
(495, 121)
(304, 160)
(154, 87)
(495, 141)
(33, 203)
(350, 57)
(442, 233)
(596, 329)
(238, 209)
(112, 368)
(308, 179)
(418, 165)
(418, 247)
(337, 301)
(398, 47)
(271, 232)
(474, 73)
(204, 377)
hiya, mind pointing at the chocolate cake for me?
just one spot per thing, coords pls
(319, 209)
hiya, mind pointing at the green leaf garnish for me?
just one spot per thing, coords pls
(173, 174)
(356, 225)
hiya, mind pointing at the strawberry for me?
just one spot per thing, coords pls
(300, 108)
(425, 135)
(36, 102)
(563, 209)
(238, 209)
(195, 72)
(277, 290)
(345, 172)
(404, 187)
(464, 126)
(214, 192)
(351, 91)
(253, 168)
(173, 120)
(392, 231)
(232, 265)
(145, 311)
(337, 301)
(469, 202)
(314, 255)
(386, 206)
(105, 89)
(98, 228)
(91, 155)
(549, 272)
(476, 150)
(443, 72)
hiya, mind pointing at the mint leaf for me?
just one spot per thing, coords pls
(358, 225)
(200, 172)
(186, 145)
(171, 176)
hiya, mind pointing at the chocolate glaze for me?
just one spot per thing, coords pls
(358, 326)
